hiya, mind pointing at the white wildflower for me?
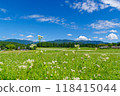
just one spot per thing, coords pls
(77, 46)
(98, 65)
(94, 76)
(49, 63)
(0, 69)
(66, 54)
(80, 71)
(55, 72)
(1, 63)
(54, 62)
(82, 58)
(103, 54)
(83, 68)
(37, 52)
(107, 58)
(73, 59)
(66, 78)
(28, 61)
(86, 55)
(41, 51)
(47, 72)
(33, 45)
(73, 52)
(31, 65)
(76, 78)
(44, 62)
(72, 70)
(99, 75)
(23, 66)
(58, 67)
(65, 62)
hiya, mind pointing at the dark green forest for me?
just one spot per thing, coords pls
(17, 46)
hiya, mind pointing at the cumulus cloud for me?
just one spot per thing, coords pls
(21, 35)
(105, 24)
(69, 34)
(93, 5)
(112, 3)
(101, 38)
(6, 19)
(3, 10)
(100, 32)
(29, 36)
(115, 31)
(52, 19)
(95, 37)
(83, 38)
(112, 36)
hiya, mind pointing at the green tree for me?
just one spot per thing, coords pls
(10, 46)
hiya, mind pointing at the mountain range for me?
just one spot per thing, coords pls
(55, 41)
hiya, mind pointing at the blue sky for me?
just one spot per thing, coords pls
(60, 19)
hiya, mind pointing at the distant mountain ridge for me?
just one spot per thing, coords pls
(20, 41)
(80, 41)
(56, 41)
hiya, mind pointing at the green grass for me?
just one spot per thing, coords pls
(61, 63)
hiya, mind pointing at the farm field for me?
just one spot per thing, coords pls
(60, 64)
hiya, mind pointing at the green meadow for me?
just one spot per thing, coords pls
(60, 64)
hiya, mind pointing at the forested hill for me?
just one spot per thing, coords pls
(4, 43)
(20, 41)
(81, 41)
(55, 41)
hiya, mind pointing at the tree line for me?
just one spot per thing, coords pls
(71, 45)
(17, 46)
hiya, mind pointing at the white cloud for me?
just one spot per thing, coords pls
(49, 19)
(83, 38)
(22, 39)
(3, 10)
(93, 5)
(112, 3)
(101, 38)
(29, 36)
(13, 34)
(105, 24)
(29, 39)
(100, 32)
(69, 34)
(32, 16)
(21, 35)
(52, 19)
(111, 10)
(66, 1)
(4, 37)
(115, 31)
(88, 5)
(112, 36)
(95, 37)
(103, 6)
(6, 19)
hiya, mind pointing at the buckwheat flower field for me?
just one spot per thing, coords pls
(60, 64)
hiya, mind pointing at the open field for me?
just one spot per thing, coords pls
(60, 64)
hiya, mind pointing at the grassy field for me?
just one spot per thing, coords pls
(60, 64)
